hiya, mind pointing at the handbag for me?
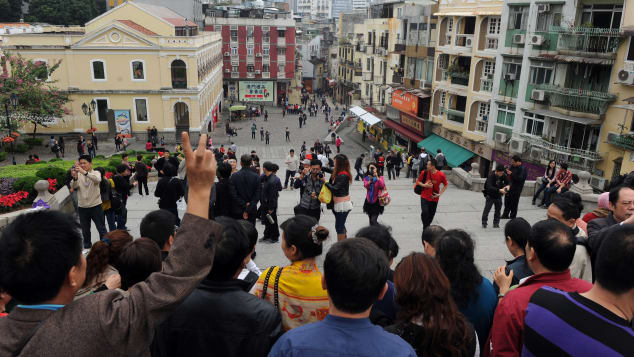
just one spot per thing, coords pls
(325, 195)
(418, 189)
(384, 197)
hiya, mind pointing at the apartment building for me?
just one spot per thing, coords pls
(142, 65)
(258, 47)
(314, 9)
(616, 141)
(468, 39)
(556, 84)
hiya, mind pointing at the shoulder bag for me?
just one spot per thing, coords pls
(265, 286)
(418, 189)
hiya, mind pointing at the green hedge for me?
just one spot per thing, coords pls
(19, 171)
(52, 172)
(114, 162)
(21, 148)
(54, 160)
(26, 184)
(3, 155)
(33, 141)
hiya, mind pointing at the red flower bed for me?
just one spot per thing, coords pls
(9, 201)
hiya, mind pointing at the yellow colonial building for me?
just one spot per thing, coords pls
(143, 65)
(616, 143)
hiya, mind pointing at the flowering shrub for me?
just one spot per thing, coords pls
(8, 139)
(40, 204)
(109, 175)
(12, 200)
(52, 185)
(91, 130)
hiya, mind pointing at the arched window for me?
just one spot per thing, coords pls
(179, 74)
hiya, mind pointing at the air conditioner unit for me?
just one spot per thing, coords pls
(538, 95)
(227, 54)
(227, 70)
(519, 39)
(257, 71)
(468, 42)
(500, 137)
(536, 153)
(542, 8)
(517, 146)
(537, 40)
(258, 55)
(625, 77)
(510, 77)
(598, 182)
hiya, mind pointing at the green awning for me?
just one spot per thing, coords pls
(455, 154)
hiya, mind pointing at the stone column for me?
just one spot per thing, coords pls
(583, 186)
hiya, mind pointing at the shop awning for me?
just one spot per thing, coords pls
(370, 119)
(557, 115)
(358, 111)
(403, 130)
(454, 153)
(237, 107)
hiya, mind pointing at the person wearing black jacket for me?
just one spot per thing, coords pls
(222, 204)
(495, 187)
(141, 175)
(517, 177)
(169, 190)
(245, 191)
(220, 318)
(122, 186)
(268, 203)
(358, 166)
(164, 160)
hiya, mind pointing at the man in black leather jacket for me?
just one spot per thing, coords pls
(268, 202)
(245, 191)
(517, 177)
(220, 318)
(495, 186)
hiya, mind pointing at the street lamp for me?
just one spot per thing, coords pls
(13, 101)
(88, 110)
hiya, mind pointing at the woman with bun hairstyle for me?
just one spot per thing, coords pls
(296, 289)
(100, 261)
(339, 185)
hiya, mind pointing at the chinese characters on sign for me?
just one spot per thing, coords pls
(256, 91)
(405, 102)
(411, 122)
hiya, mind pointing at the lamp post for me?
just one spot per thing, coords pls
(13, 101)
(88, 110)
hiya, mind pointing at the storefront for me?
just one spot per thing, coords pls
(480, 152)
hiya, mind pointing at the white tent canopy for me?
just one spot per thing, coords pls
(358, 111)
(370, 119)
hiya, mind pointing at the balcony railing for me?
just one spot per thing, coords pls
(587, 39)
(281, 42)
(578, 100)
(622, 141)
(179, 84)
(397, 78)
(266, 74)
(453, 115)
(235, 75)
(464, 40)
(250, 75)
(578, 158)
(459, 78)
(486, 85)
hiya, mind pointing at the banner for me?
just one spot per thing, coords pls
(122, 122)
(255, 91)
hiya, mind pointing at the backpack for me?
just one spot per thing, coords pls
(440, 160)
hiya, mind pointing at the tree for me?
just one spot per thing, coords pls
(10, 10)
(63, 12)
(39, 101)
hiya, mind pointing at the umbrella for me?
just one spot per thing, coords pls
(237, 107)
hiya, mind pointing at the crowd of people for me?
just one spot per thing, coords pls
(192, 287)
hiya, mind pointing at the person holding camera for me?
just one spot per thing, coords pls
(310, 182)
(86, 182)
(517, 176)
(496, 185)
(373, 183)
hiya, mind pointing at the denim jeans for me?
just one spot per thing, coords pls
(110, 218)
(541, 188)
(94, 214)
(289, 174)
(340, 221)
(548, 194)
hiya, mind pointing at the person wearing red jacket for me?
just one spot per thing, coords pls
(549, 252)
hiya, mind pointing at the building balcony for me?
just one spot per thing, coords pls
(250, 75)
(464, 40)
(588, 40)
(578, 100)
(577, 158)
(235, 75)
(459, 78)
(623, 141)
(281, 42)
(266, 74)
(179, 84)
(453, 115)
(400, 46)
(396, 78)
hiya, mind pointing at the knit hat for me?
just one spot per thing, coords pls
(604, 200)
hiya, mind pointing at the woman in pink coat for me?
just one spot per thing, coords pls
(373, 183)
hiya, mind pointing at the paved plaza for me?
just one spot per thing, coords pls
(457, 209)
